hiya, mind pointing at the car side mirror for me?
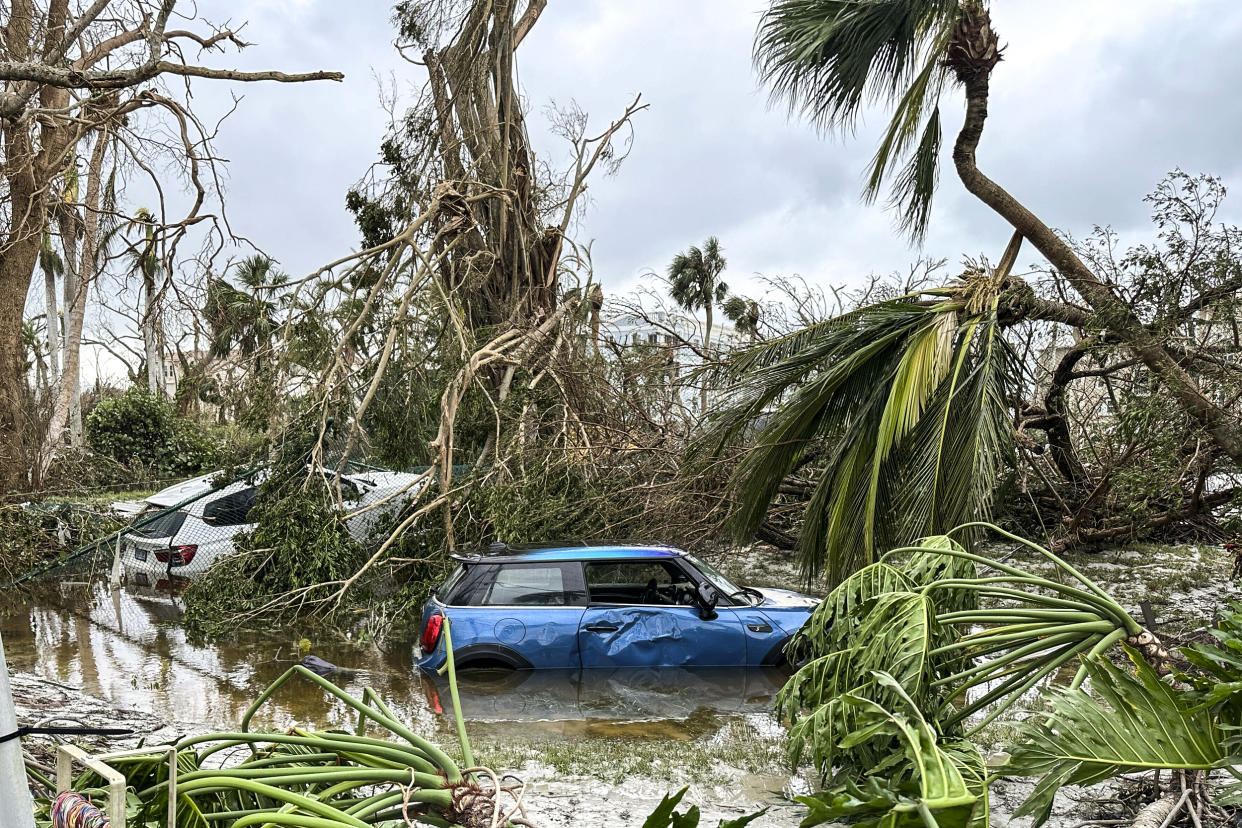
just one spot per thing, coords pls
(708, 597)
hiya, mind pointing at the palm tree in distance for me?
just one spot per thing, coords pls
(145, 260)
(744, 314)
(695, 284)
(244, 319)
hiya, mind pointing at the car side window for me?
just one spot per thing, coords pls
(531, 585)
(638, 582)
(230, 510)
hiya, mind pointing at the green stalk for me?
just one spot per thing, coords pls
(315, 775)
(1080, 596)
(1011, 656)
(1016, 614)
(1108, 641)
(394, 751)
(290, 758)
(364, 745)
(317, 808)
(1061, 563)
(439, 757)
(992, 591)
(984, 640)
(466, 752)
(1015, 687)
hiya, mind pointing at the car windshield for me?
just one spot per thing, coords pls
(723, 584)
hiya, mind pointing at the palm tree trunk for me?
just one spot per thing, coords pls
(1108, 307)
(707, 353)
(75, 307)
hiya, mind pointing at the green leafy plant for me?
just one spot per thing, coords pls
(903, 662)
(316, 779)
(142, 431)
(1138, 723)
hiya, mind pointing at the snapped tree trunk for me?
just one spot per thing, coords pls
(53, 327)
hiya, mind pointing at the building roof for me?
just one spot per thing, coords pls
(573, 552)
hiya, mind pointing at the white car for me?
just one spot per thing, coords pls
(186, 542)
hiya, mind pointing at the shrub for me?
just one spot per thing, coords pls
(138, 429)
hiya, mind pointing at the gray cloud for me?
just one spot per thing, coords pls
(1093, 103)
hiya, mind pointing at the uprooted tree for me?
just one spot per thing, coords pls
(465, 334)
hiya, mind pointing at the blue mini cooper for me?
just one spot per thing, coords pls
(605, 606)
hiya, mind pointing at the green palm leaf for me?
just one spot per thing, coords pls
(830, 58)
(913, 398)
(1138, 723)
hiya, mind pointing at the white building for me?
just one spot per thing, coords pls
(678, 336)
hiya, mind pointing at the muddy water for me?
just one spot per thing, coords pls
(131, 651)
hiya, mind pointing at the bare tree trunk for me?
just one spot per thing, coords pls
(75, 310)
(53, 328)
(151, 328)
(1109, 309)
(69, 225)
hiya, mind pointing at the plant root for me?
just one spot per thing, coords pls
(477, 806)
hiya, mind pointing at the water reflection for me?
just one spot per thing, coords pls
(633, 694)
(133, 651)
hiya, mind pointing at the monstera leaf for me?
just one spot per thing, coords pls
(922, 784)
(838, 616)
(930, 564)
(1138, 723)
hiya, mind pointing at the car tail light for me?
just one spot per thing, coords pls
(180, 555)
(431, 632)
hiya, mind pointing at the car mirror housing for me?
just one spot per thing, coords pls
(708, 597)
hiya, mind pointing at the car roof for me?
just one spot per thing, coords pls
(576, 552)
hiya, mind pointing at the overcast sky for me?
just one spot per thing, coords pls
(1092, 104)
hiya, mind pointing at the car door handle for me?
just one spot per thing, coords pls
(601, 628)
(759, 627)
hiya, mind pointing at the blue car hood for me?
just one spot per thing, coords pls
(786, 609)
(784, 598)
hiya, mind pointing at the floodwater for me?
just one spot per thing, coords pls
(131, 651)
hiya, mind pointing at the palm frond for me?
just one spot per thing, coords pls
(828, 58)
